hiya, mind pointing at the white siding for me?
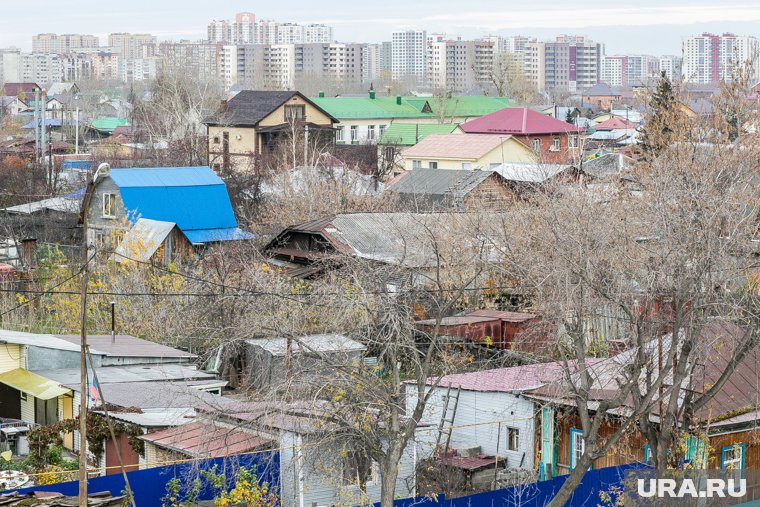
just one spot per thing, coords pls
(476, 423)
(27, 409)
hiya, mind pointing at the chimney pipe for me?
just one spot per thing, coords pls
(398, 99)
(113, 321)
(321, 94)
(224, 106)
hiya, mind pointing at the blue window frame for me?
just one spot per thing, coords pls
(647, 454)
(733, 456)
(577, 446)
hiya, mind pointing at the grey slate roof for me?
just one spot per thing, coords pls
(606, 165)
(132, 373)
(601, 89)
(437, 186)
(125, 346)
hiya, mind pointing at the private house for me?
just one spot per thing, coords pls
(53, 220)
(250, 124)
(314, 469)
(526, 178)
(552, 141)
(615, 123)
(53, 107)
(609, 165)
(466, 152)
(399, 136)
(453, 190)
(365, 119)
(11, 106)
(177, 210)
(267, 357)
(600, 96)
(401, 240)
(20, 90)
(63, 89)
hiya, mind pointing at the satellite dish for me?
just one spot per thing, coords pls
(6, 455)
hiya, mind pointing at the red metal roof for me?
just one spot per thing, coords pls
(204, 439)
(615, 123)
(505, 316)
(517, 120)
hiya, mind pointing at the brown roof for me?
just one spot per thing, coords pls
(126, 346)
(470, 463)
(457, 146)
(505, 316)
(205, 439)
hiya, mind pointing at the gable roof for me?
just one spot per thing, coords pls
(601, 89)
(439, 185)
(615, 123)
(108, 124)
(15, 88)
(530, 173)
(455, 146)
(205, 439)
(517, 121)
(249, 107)
(409, 134)
(194, 198)
(410, 107)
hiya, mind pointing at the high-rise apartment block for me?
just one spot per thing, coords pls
(130, 46)
(66, 43)
(246, 30)
(671, 66)
(710, 58)
(629, 70)
(570, 63)
(409, 55)
(458, 66)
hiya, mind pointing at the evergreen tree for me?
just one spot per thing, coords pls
(663, 119)
(569, 117)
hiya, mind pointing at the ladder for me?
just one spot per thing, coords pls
(446, 425)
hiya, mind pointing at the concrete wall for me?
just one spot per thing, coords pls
(47, 359)
(476, 423)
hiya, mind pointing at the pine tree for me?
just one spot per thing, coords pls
(570, 117)
(662, 121)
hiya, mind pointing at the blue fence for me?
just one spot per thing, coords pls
(149, 485)
(537, 494)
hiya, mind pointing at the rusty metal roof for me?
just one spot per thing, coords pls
(205, 439)
(470, 463)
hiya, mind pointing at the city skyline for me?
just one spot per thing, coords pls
(649, 28)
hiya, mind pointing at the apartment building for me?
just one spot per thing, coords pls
(513, 44)
(570, 62)
(458, 66)
(130, 46)
(343, 62)
(65, 43)
(710, 58)
(629, 70)
(244, 29)
(671, 66)
(409, 55)
(20, 67)
(195, 58)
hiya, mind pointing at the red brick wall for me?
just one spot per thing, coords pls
(563, 156)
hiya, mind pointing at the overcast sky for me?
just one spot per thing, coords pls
(633, 26)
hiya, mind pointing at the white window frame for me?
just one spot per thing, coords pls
(371, 132)
(339, 134)
(354, 133)
(536, 143)
(382, 130)
(433, 164)
(416, 164)
(556, 144)
(467, 166)
(111, 198)
(513, 439)
(577, 446)
(572, 141)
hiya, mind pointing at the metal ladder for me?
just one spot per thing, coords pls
(448, 419)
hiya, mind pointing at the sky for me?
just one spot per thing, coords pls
(633, 26)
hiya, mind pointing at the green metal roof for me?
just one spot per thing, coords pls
(410, 107)
(108, 125)
(409, 134)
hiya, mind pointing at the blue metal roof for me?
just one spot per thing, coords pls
(194, 198)
(200, 236)
(165, 177)
(49, 122)
(78, 164)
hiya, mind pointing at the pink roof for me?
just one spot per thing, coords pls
(457, 146)
(508, 380)
(517, 120)
(615, 123)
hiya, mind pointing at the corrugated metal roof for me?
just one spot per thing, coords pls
(125, 346)
(530, 173)
(455, 146)
(31, 383)
(208, 440)
(201, 236)
(109, 124)
(60, 204)
(142, 240)
(409, 134)
(134, 373)
(505, 316)
(47, 341)
(156, 417)
(440, 184)
(615, 123)
(311, 343)
(518, 121)
(191, 197)
(145, 395)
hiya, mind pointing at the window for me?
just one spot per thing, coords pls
(416, 164)
(23, 396)
(577, 446)
(572, 142)
(370, 132)
(354, 133)
(216, 140)
(732, 457)
(513, 439)
(555, 144)
(467, 166)
(536, 145)
(433, 164)
(109, 205)
(295, 112)
(339, 135)
(382, 130)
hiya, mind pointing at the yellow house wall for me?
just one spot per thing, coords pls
(313, 115)
(11, 357)
(511, 151)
